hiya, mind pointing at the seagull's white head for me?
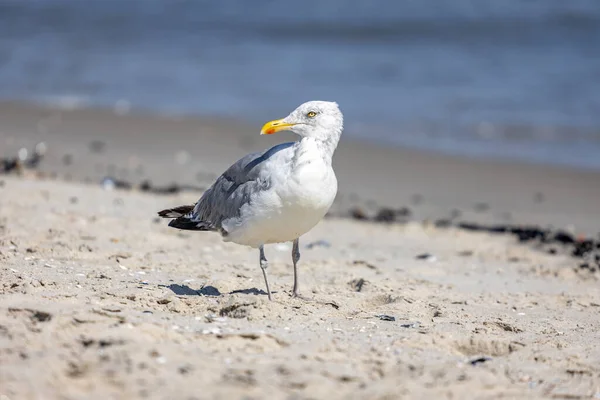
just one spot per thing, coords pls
(321, 120)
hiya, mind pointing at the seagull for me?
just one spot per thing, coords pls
(277, 195)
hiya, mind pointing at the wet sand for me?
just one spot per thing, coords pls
(99, 299)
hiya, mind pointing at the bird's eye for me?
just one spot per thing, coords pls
(311, 114)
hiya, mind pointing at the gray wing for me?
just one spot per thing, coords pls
(233, 189)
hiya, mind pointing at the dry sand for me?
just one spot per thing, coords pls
(99, 299)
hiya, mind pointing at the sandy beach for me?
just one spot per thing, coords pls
(99, 299)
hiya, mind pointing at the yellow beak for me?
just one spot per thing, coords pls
(275, 126)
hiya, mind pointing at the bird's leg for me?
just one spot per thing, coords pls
(263, 265)
(295, 258)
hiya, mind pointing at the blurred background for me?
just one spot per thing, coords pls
(507, 79)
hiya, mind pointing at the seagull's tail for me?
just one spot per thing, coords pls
(183, 219)
(176, 212)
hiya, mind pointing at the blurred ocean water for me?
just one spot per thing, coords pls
(511, 79)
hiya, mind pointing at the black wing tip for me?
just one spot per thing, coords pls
(165, 214)
(179, 219)
(188, 225)
(176, 212)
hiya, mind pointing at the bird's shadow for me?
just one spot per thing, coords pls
(184, 290)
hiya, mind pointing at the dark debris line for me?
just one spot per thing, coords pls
(584, 248)
(24, 161)
(147, 186)
(587, 249)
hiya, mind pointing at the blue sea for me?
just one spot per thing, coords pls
(507, 79)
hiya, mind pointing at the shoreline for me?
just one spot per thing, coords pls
(239, 124)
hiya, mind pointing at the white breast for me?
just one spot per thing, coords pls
(296, 201)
